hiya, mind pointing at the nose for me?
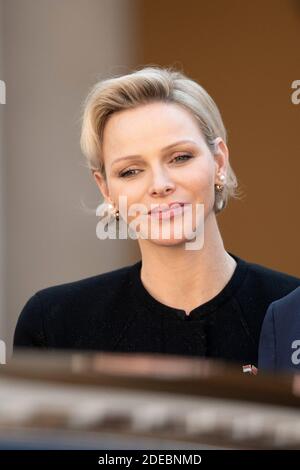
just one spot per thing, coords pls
(161, 185)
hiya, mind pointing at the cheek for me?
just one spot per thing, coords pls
(201, 184)
(131, 192)
(201, 181)
(122, 188)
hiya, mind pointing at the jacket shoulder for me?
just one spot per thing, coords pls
(260, 287)
(274, 283)
(93, 285)
(64, 308)
(289, 302)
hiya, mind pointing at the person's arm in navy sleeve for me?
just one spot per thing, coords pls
(267, 343)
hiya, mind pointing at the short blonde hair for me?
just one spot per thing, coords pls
(144, 86)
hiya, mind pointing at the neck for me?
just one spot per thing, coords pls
(183, 278)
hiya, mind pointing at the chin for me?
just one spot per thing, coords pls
(168, 242)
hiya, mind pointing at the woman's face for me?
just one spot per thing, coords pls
(155, 154)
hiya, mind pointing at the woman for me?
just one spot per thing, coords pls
(155, 137)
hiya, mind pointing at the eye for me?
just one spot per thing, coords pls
(128, 173)
(131, 172)
(182, 158)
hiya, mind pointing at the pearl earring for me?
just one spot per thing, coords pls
(113, 211)
(220, 187)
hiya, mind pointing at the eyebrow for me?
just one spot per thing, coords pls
(129, 157)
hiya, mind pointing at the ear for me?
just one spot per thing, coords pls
(102, 184)
(221, 157)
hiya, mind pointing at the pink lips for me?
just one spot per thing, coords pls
(166, 207)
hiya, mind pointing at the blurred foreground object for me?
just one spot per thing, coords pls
(137, 401)
(250, 369)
